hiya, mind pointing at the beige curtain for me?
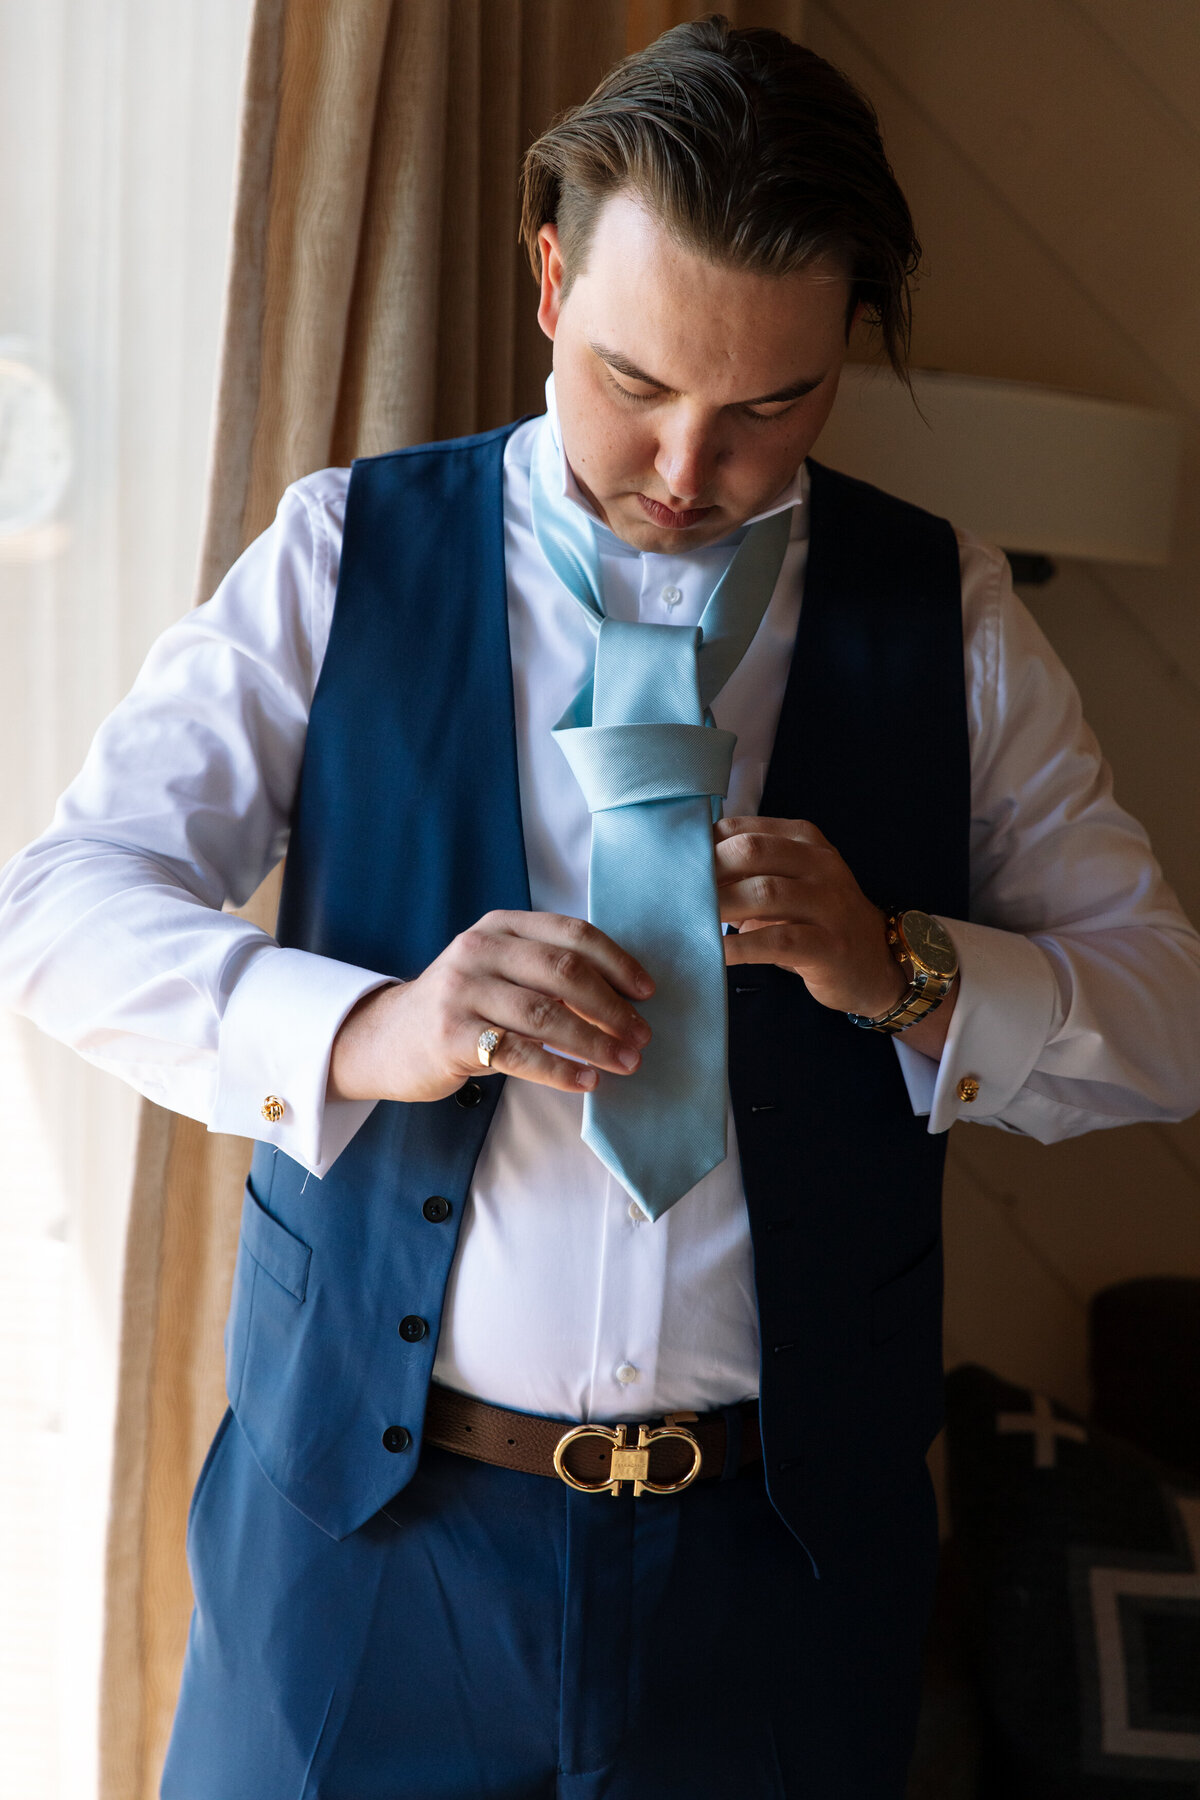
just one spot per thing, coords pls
(377, 296)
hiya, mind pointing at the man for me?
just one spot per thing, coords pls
(433, 1552)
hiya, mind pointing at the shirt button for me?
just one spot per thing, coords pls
(627, 1374)
(636, 1214)
(395, 1439)
(273, 1109)
(469, 1095)
(968, 1089)
(413, 1329)
(437, 1209)
(672, 596)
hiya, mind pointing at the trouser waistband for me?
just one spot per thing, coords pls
(659, 1455)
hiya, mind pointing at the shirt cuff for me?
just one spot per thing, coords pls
(276, 1039)
(1007, 1010)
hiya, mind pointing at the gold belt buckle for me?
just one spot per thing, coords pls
(629, 1462)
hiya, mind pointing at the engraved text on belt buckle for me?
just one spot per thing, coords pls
(628, 1463)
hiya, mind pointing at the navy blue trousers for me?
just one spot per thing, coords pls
(497, 1636)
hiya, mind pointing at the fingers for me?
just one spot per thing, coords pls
(796, 904)
(521, 999)
(541, 978)
(772, 871)
(567, 978)
(764, 880)
(527, 1061)
(623, 972)
(786, 943)
(551, 984)
(747, 854)
(800, 831)
(566, 970)
(768, 899)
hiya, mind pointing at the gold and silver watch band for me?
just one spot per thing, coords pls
(925, 993)
(916, 1004)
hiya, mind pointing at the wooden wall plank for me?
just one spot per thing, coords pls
(1108, 180)
(1161, 42)
(1004, 1308)
(1183, 1143)
(1105, 1207)
(1164, 601)
(1144, 712)
(995, 301)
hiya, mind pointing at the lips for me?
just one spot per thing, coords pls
(669, 520)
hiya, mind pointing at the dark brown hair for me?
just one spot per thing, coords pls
(750, 149)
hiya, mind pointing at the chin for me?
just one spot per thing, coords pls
(665, 543)
(632, 526)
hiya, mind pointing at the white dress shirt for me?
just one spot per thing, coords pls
(1080, 992)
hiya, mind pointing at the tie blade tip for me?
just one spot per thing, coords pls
(655, 1182)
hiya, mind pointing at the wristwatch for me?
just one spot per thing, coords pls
(924, 951)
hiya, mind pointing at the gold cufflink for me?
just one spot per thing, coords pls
(273, 1109)
(968, 1089)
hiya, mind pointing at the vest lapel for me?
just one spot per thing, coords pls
(408, 818)
(872, 736)
(842, 1180)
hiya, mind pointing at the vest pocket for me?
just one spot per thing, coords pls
(283, 1257)
(906, 1298)
(268, 1257)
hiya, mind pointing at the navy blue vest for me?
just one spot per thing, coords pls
(407, 828)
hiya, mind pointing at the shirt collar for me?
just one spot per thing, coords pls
(794, 494)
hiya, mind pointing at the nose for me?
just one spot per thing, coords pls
(686, 460)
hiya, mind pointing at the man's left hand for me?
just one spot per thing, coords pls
(795, 903)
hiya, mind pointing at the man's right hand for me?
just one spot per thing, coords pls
(541, 978)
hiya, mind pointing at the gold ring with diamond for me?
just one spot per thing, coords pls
(487, 1042)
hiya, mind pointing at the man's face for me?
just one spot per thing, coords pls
(688, 392)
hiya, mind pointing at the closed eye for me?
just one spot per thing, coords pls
(770, 409)
(766, 406)
(761, 413)
(628, 394)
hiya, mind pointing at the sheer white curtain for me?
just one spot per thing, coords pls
(118, 126)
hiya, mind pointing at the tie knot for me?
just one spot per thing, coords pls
(646, 674)
(627, 765)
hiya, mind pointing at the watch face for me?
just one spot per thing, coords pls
(928, 942)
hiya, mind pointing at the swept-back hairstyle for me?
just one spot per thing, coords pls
(750, 149)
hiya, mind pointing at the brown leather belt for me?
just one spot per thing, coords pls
(662, 1457)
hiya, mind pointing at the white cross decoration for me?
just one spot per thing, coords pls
(1044, 1428)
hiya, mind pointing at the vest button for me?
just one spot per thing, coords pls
(469, 1095)
(413, 1329)
(437, 1209)
(395, 1439)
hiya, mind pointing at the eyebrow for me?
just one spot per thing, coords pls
(795, 391)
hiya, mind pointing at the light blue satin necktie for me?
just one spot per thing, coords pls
(650, 768)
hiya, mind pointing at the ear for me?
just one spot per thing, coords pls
(551, 302)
